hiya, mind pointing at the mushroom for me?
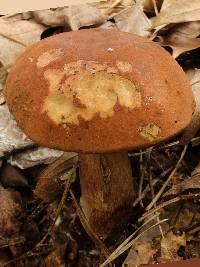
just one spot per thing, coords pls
(100, 93)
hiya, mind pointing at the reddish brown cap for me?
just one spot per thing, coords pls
(98, 90)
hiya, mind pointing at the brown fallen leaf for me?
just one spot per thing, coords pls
(176, 11)
(84, 15)
(15, 36)
(142, 250)
(182, 38)
(11, 213)
(49, 17)
(113, 7)
(142, 254)
(186, 218)
(63, 255)
(134, 20)
(74, 17)
(170, 245)
(49, 185)
(194, 126)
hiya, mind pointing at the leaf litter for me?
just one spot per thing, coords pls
(37, 182)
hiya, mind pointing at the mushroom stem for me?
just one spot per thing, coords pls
(107, 190)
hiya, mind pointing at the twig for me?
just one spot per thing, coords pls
(89, 229)
(68, 183)
(168, 180)
(155, 7)
(154, 182)
(158, 218)
(145, 191)
(12, 39)
(167, 203)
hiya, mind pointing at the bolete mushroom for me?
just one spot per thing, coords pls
(100, 93)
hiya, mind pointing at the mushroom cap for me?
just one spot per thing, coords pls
(98, 91)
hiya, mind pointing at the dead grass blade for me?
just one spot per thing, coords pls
(126, 244)
(167, 203)
(168, 180)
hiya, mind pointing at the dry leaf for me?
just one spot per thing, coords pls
(113, 7)
(11, 213)
(49, 17)
(84, 15)
(182, 38)
(133, 20)
(143, 245)
(15, 36)
(176, 11)
(34, 156)
(11, 137)
(194, 126)
(141, 254)
(73, 16)
(49, 185)
(188, 216)
(170, 246)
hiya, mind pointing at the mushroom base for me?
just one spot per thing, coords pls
(107, 191)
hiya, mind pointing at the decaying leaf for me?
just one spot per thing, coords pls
(11, 213)
(73, 16)
(49, 185)
(63, 255)
(142, 251)
(188, 217)
(170, 245)
(15, 36)
(134, 20)
(182, 38)
(176, 11)
(194, 126)
(142, 254)
(11, 137)
(34, 156)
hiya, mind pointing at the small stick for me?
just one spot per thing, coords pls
(168, 180)
(167, 203)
